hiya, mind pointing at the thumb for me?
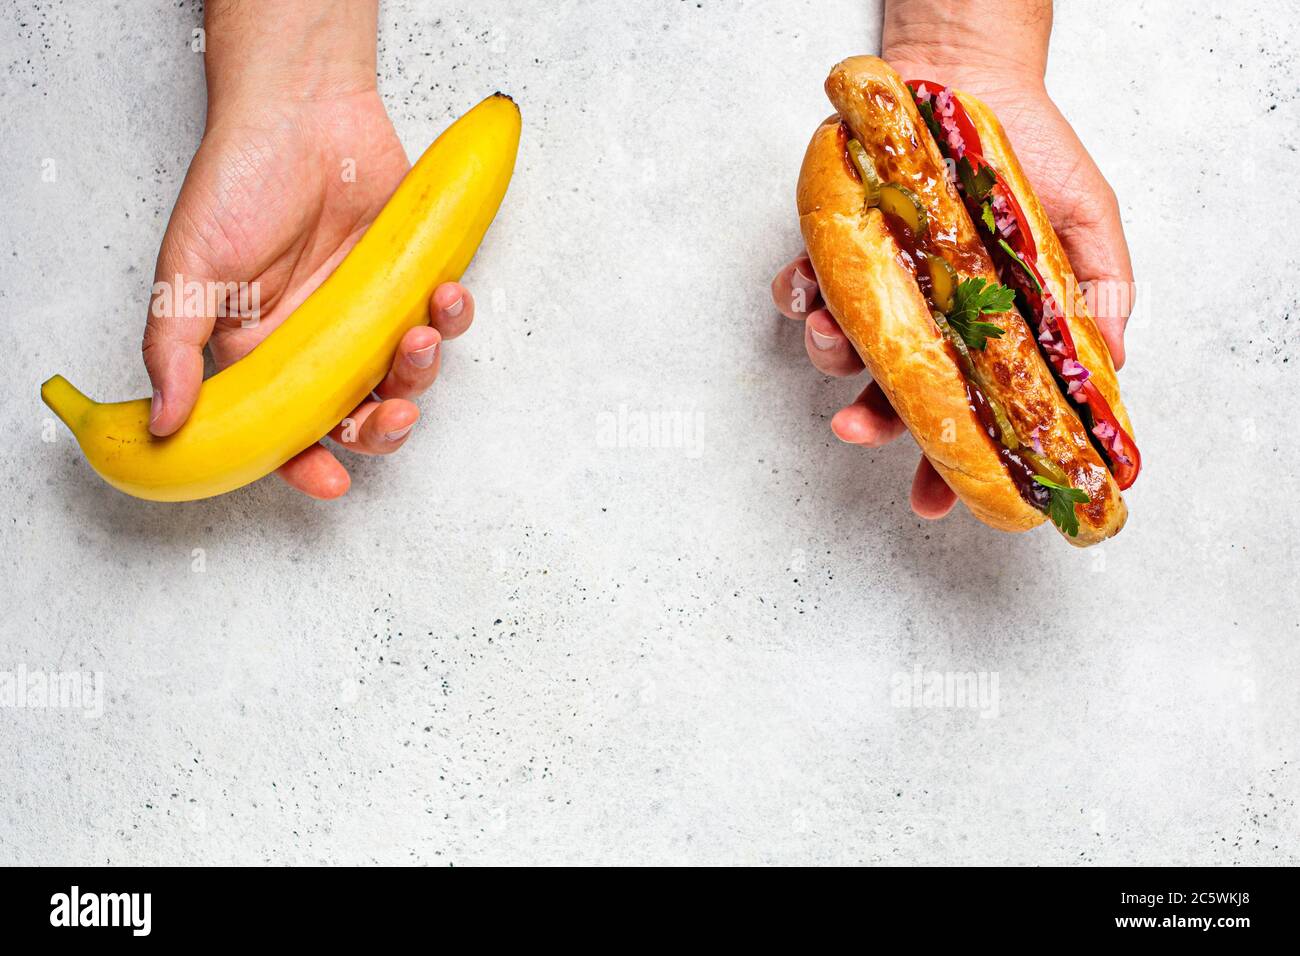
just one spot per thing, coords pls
(1095, 245)
(1085, 213)
(178, 326)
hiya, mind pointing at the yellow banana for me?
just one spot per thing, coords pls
(326, 357)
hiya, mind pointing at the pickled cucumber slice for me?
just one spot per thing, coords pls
(866, 169)
(943, 280)
(1046, 467)
(901, 203)
(1006, 431)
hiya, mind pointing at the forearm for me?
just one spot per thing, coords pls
(288, 49)
(992, 37)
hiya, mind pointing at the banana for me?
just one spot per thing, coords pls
(335, 348)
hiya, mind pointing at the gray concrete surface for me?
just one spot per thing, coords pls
(531, 638)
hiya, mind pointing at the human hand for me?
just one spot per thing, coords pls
(934, 40)
(288, 176)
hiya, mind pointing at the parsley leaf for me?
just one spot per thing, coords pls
(986, 217)
(1015, 257)
(977, 185)
(927, 113)
(973, 298)
(1061, 507)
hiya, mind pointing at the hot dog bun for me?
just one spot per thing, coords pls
(880, 308)
(874, 295)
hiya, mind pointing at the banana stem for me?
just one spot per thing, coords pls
(65, 400)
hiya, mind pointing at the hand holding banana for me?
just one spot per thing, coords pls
(332, 351)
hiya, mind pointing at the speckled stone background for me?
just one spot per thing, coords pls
(521, 640)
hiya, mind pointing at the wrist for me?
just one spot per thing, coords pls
(287, 51)
(969, 43)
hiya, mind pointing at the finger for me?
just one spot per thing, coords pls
(377, 428)
(415, 366)
(869, 421)
(828, 347)
(794, 290)
(1084, 211)
(316, 472)
(174, 335)
(931, 496)
(1094, 243)
(451, 309)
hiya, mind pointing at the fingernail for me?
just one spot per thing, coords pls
(455, 309)
(801, 281)
(156, 406)
(823, 342)
(400, 433)
(423, 358)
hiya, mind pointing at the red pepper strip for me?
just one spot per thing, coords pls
(1125, 473)
(1022, 241)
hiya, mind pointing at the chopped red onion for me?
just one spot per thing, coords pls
(1003, 216)
(1074, 370)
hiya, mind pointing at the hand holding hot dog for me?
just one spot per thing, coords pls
(1004, 68)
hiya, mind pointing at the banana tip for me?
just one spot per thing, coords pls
(64, 399)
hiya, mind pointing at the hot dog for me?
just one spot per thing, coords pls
(935, 257)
